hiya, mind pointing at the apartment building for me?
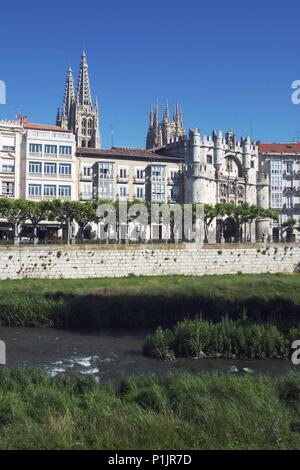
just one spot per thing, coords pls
(48, 163)
(128, 174)
(10, 155)
(282, 163)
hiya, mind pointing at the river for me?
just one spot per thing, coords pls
(111, 355)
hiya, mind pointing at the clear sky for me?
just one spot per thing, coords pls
(227, 62)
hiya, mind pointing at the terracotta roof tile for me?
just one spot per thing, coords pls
(43, 127)
(279, 148)
(124, 152)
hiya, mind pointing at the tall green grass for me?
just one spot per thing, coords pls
(176, 412)
(228, 338)
(149, 301)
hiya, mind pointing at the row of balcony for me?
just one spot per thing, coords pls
(49, 175)
(50, 155)
(125, 179)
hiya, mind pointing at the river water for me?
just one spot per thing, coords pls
(111, 355)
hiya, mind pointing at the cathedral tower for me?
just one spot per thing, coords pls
(78, 113)
(162, 133)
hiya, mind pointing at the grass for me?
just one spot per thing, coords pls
(175, 412)
(227, 338)
(149, 301)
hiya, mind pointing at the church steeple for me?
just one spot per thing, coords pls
(79, 114)
(69, 96)
(83, 94)
(67, 114)
(161, 133)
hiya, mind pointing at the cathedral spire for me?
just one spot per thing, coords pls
(166, 118)
(83, 94)
(151, 116)
(156, 115)
(69, 95)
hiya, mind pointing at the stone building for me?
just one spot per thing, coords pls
(161, 133)
(218, 169)
(79, 114)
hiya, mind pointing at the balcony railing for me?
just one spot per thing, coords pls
(85, 197)
(84, 177)
(122, 179)
(173, 181)
(138, 180)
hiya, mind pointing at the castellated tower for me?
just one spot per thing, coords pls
(79, 114)
(166, 131)
(263, 225)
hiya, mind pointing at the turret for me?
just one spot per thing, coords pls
(263, 184)
(247, 153)
(194, 136)
(218, 149)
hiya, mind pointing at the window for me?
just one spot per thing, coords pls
(276, 183)
(276, 200)
(289, 201)
(158, 192)
(83, 127)
(105, 190)
(276, 167)
(106, 170)
(252, 163)
(35, 167)
(51, 149)
(49, 190)
(90, 127)
(34, 190)
(64, 191)
(87, 171)
(123, 173)
(65, 150)
(35, 148)
(65, 169)
(86, 190)
(174, 175)
(208, 159)
(7, 188)
(139, 192)
(289, 168)
(50, 168)
(140, 174)
(123, 191)
(158, 173)
(7, 168)
(8, 144)
(174, 194)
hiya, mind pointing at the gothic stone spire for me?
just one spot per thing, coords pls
(84, 97)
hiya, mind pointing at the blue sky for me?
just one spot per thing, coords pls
(227, 62)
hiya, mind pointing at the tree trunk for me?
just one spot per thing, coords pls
(16, 234)
(35, 238)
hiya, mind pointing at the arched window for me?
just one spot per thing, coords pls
(90, 127)
(83, 126)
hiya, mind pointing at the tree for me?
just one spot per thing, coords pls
(36, 212)
(288, 227)
(15, 212)
(84, 213)
(64, 213)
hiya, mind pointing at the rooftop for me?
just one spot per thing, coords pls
(125, 152)
(279, 148)
(43, 127)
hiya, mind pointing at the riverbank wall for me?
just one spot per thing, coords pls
(97, 261)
